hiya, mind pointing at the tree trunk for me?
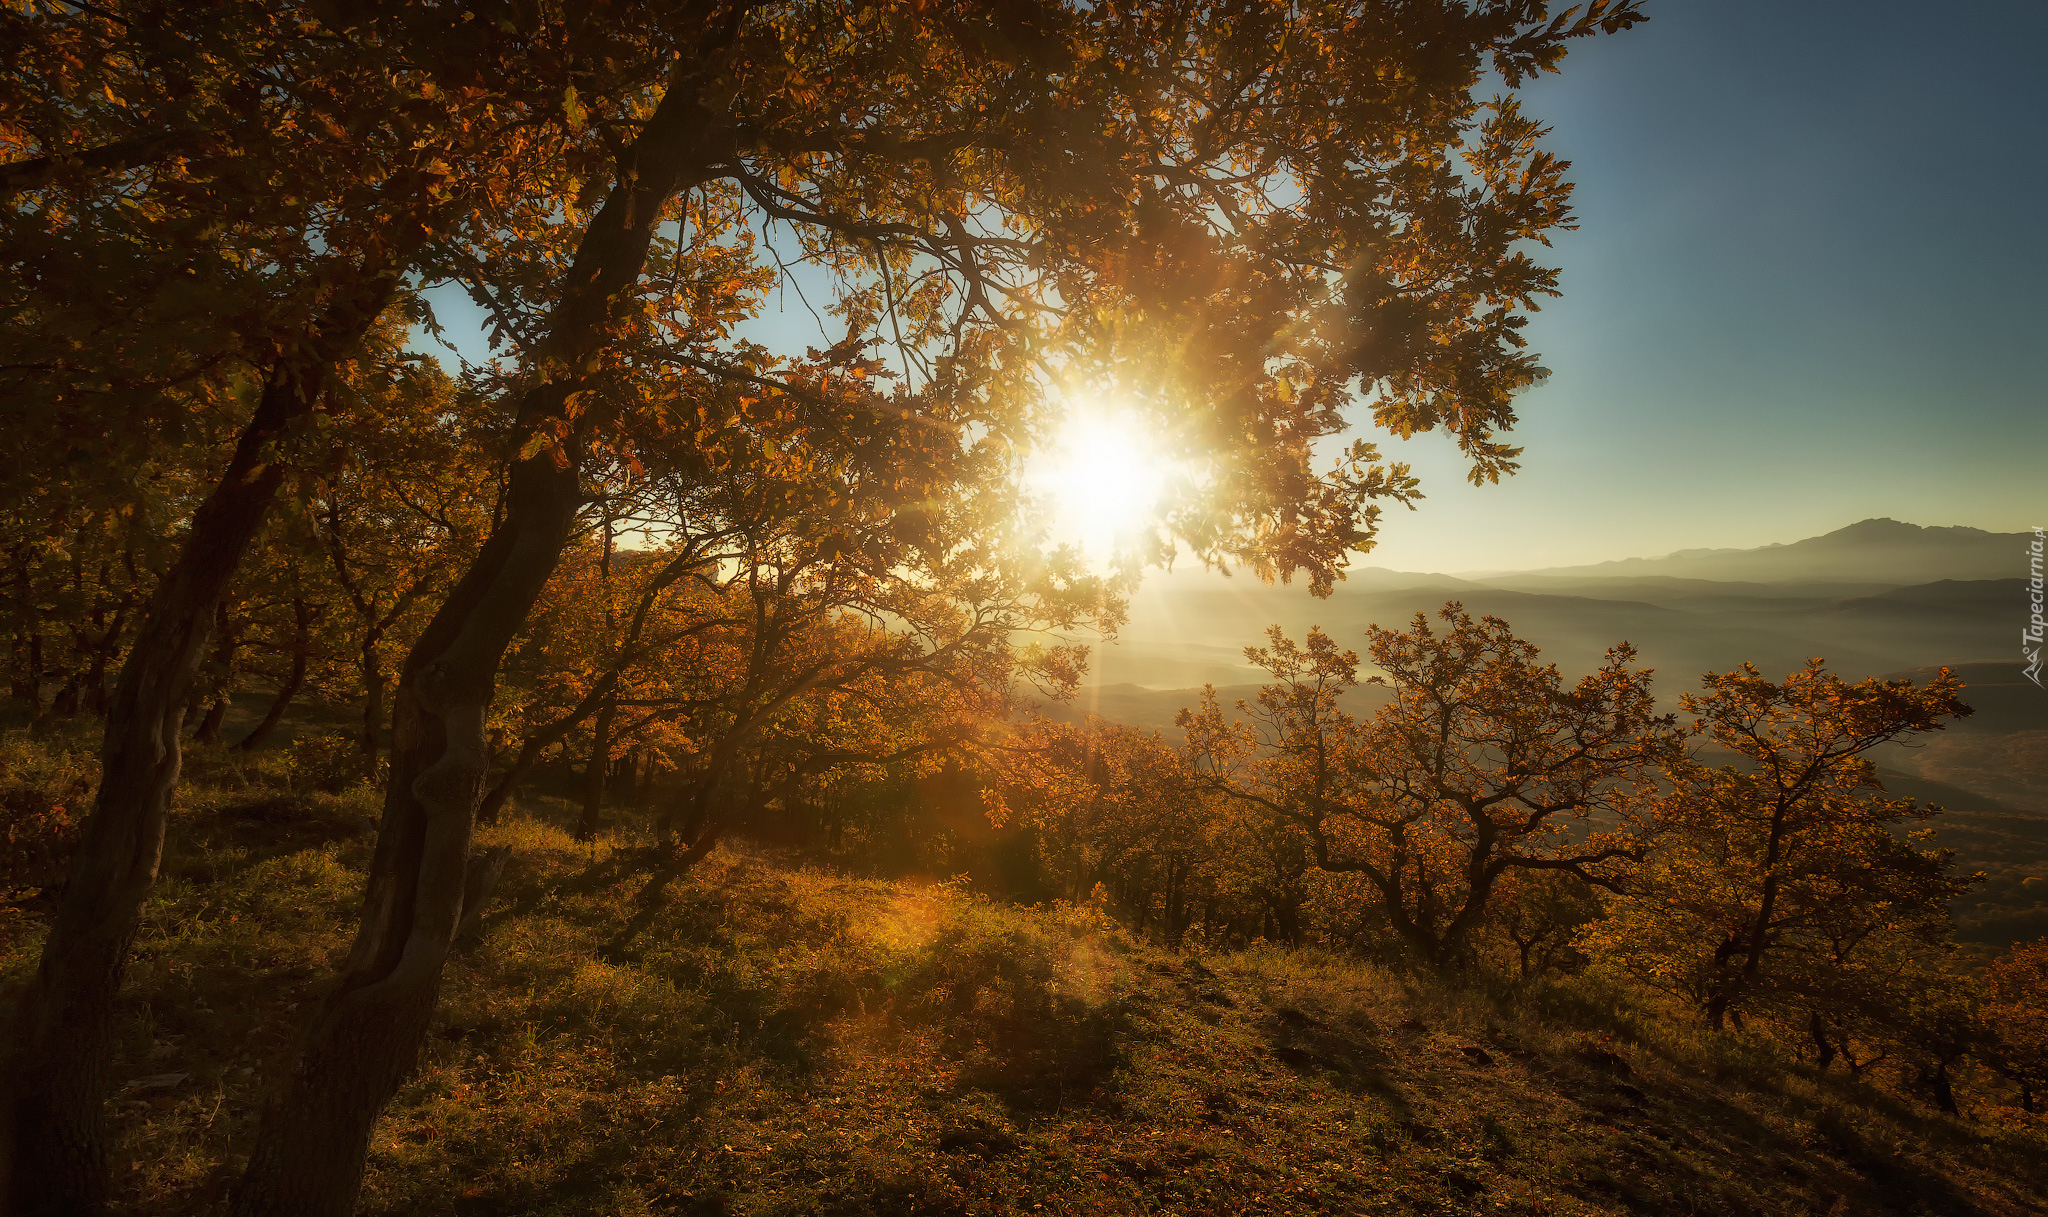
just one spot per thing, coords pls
(302, 623)
(96, 676)
(499, 795)
(52, 1133)
(635, 774)
(1944, 1094)
(63, 705)
(373, 703)
(362, 1040)
(1818, 1032)
(594, 771)
(209, 726)
(540, 741)
(223, 669)
(1722, 985)
(1290, 924)
(478, 882)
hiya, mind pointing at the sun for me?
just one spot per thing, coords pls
(1101, 481)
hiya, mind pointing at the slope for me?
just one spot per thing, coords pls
(772, 1039)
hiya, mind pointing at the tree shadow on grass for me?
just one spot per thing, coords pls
(1877, 1179)
(1347, 1051)
(1059, 1055)
(255, 831)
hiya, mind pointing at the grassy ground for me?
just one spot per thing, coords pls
(781, 1040)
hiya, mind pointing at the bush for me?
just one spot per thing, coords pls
(333, 763)
(45, 791)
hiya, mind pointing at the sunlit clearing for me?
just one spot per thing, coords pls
(1100, 481)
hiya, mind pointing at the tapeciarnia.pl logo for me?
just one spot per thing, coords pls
(2030, 637)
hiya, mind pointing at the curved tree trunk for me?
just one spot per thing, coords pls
(364, 1037)
(52, 1133)
(209, 726)
(295, 679)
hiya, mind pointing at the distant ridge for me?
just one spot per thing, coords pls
(1876, 551)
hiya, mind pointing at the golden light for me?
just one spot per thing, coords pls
(1101, 480)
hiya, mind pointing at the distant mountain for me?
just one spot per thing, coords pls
(1881, 551)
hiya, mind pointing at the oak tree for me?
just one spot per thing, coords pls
(1787, 859)
(1484, 763)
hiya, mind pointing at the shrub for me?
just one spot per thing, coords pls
(45, 791)
(332, 762)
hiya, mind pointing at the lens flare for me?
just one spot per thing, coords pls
(1100, 481)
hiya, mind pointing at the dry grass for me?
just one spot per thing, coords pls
(779, 1040)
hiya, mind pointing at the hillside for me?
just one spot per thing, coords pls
(773, 1039)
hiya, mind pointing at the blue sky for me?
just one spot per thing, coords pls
(1807, 289)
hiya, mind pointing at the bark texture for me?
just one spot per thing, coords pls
(364, 1038)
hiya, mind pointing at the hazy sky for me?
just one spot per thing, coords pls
(1807, 289)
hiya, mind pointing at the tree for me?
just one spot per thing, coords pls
(2015, 1013)
(296, 648)
(1112, 806)
(207, 213)
(1540, 913)
(401, 499)
(1267, 867)
(1012, 193)
(1483, 763)
(1788, 858)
